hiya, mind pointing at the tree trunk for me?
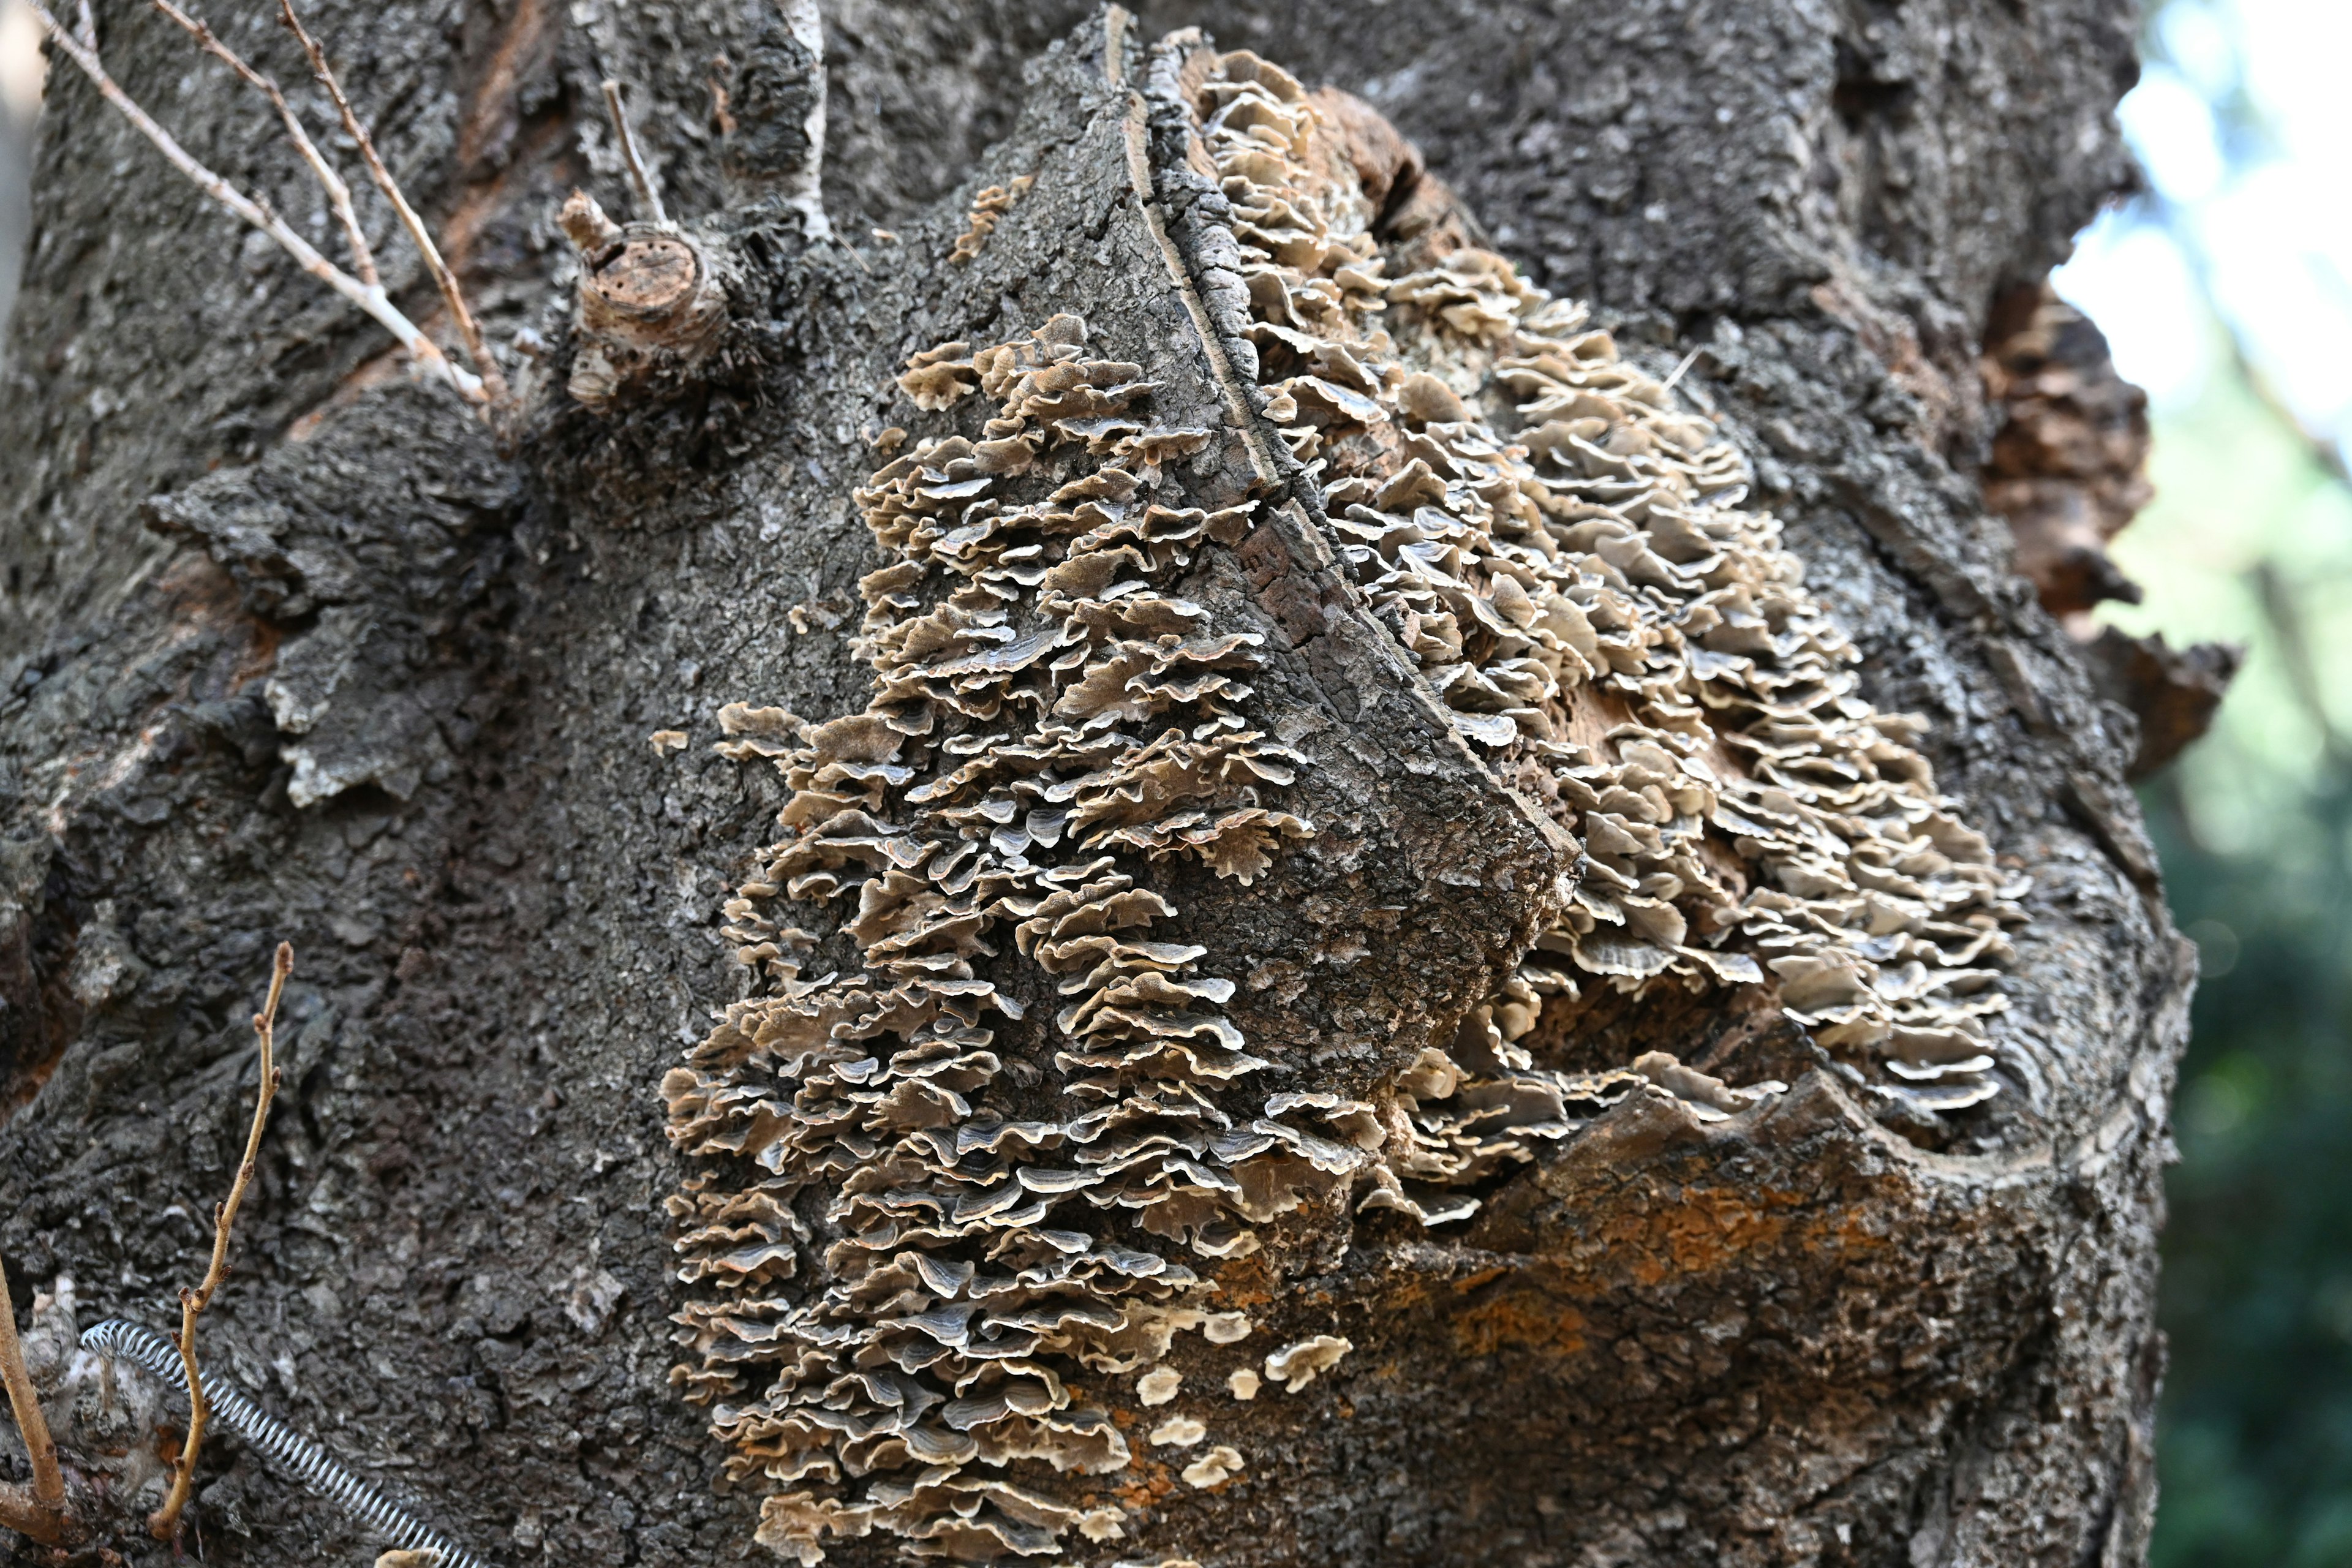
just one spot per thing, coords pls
(1356, 971)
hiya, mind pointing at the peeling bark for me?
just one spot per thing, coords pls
(2069, 471)
(293, 650)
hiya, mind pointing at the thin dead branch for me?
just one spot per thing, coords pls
(443, 279)
(39, 1510)
(372, 300)
(641, 174)
(21, 1513)
(166, 1522)
(339, 195)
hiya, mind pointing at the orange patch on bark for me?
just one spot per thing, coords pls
(1156, 1482)
(493, 100)
(1245, 1281)
(1704, 1231)
(1522, 1319)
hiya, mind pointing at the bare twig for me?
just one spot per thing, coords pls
(587, 225)
(1688, 360)
(443, 279)
(20, 1513)
(166, 1522)
(39, 1513)
(338, 194)
(641, 175)
(373, 301)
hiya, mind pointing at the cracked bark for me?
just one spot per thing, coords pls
(291, 651)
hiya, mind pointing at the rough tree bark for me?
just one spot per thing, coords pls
(293, 650)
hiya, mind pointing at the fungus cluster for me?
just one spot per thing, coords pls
(934, 1253)
(1567, 559)
(960, 1160)
(988, 209)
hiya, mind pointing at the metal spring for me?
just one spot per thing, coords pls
(304, 1459)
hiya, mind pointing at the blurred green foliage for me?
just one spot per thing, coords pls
(2250, 540)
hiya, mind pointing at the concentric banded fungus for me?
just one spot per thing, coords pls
(986, 208)
(962, 1180)
(1295, 1366)
(1566, 557)
(1045, 711)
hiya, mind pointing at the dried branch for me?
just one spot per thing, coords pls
(641, 174)
(339, 195)
(443, 279)
(166, 1522)
(587, 225)
(371, 299)
(39, 1513)
(21, 1513)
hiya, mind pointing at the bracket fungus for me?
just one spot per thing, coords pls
(1567, 558)
(987, 207)
(1049, 720)
(1214, 1467)
(1296, 1366)
(969, 1159)
(1178, 1432)
(1157, 1386)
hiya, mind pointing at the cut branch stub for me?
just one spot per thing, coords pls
(650, 299)
(650, 280)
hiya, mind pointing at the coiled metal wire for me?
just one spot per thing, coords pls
(288, 1449)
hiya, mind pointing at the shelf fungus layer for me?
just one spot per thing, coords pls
(1564, 555)
(1302, 655)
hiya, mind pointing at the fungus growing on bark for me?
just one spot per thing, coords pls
(919, 1274)
(936, 377)
(1178, 1432)
(1157, 1387)
(1225, 1328)
(1215, 1467)
(1296, 1366)
(1566, 557)
(987, 208)
(961, 1181)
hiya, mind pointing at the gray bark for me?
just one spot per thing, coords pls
(292, 649)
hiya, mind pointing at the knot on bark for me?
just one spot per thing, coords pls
(651, 302)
